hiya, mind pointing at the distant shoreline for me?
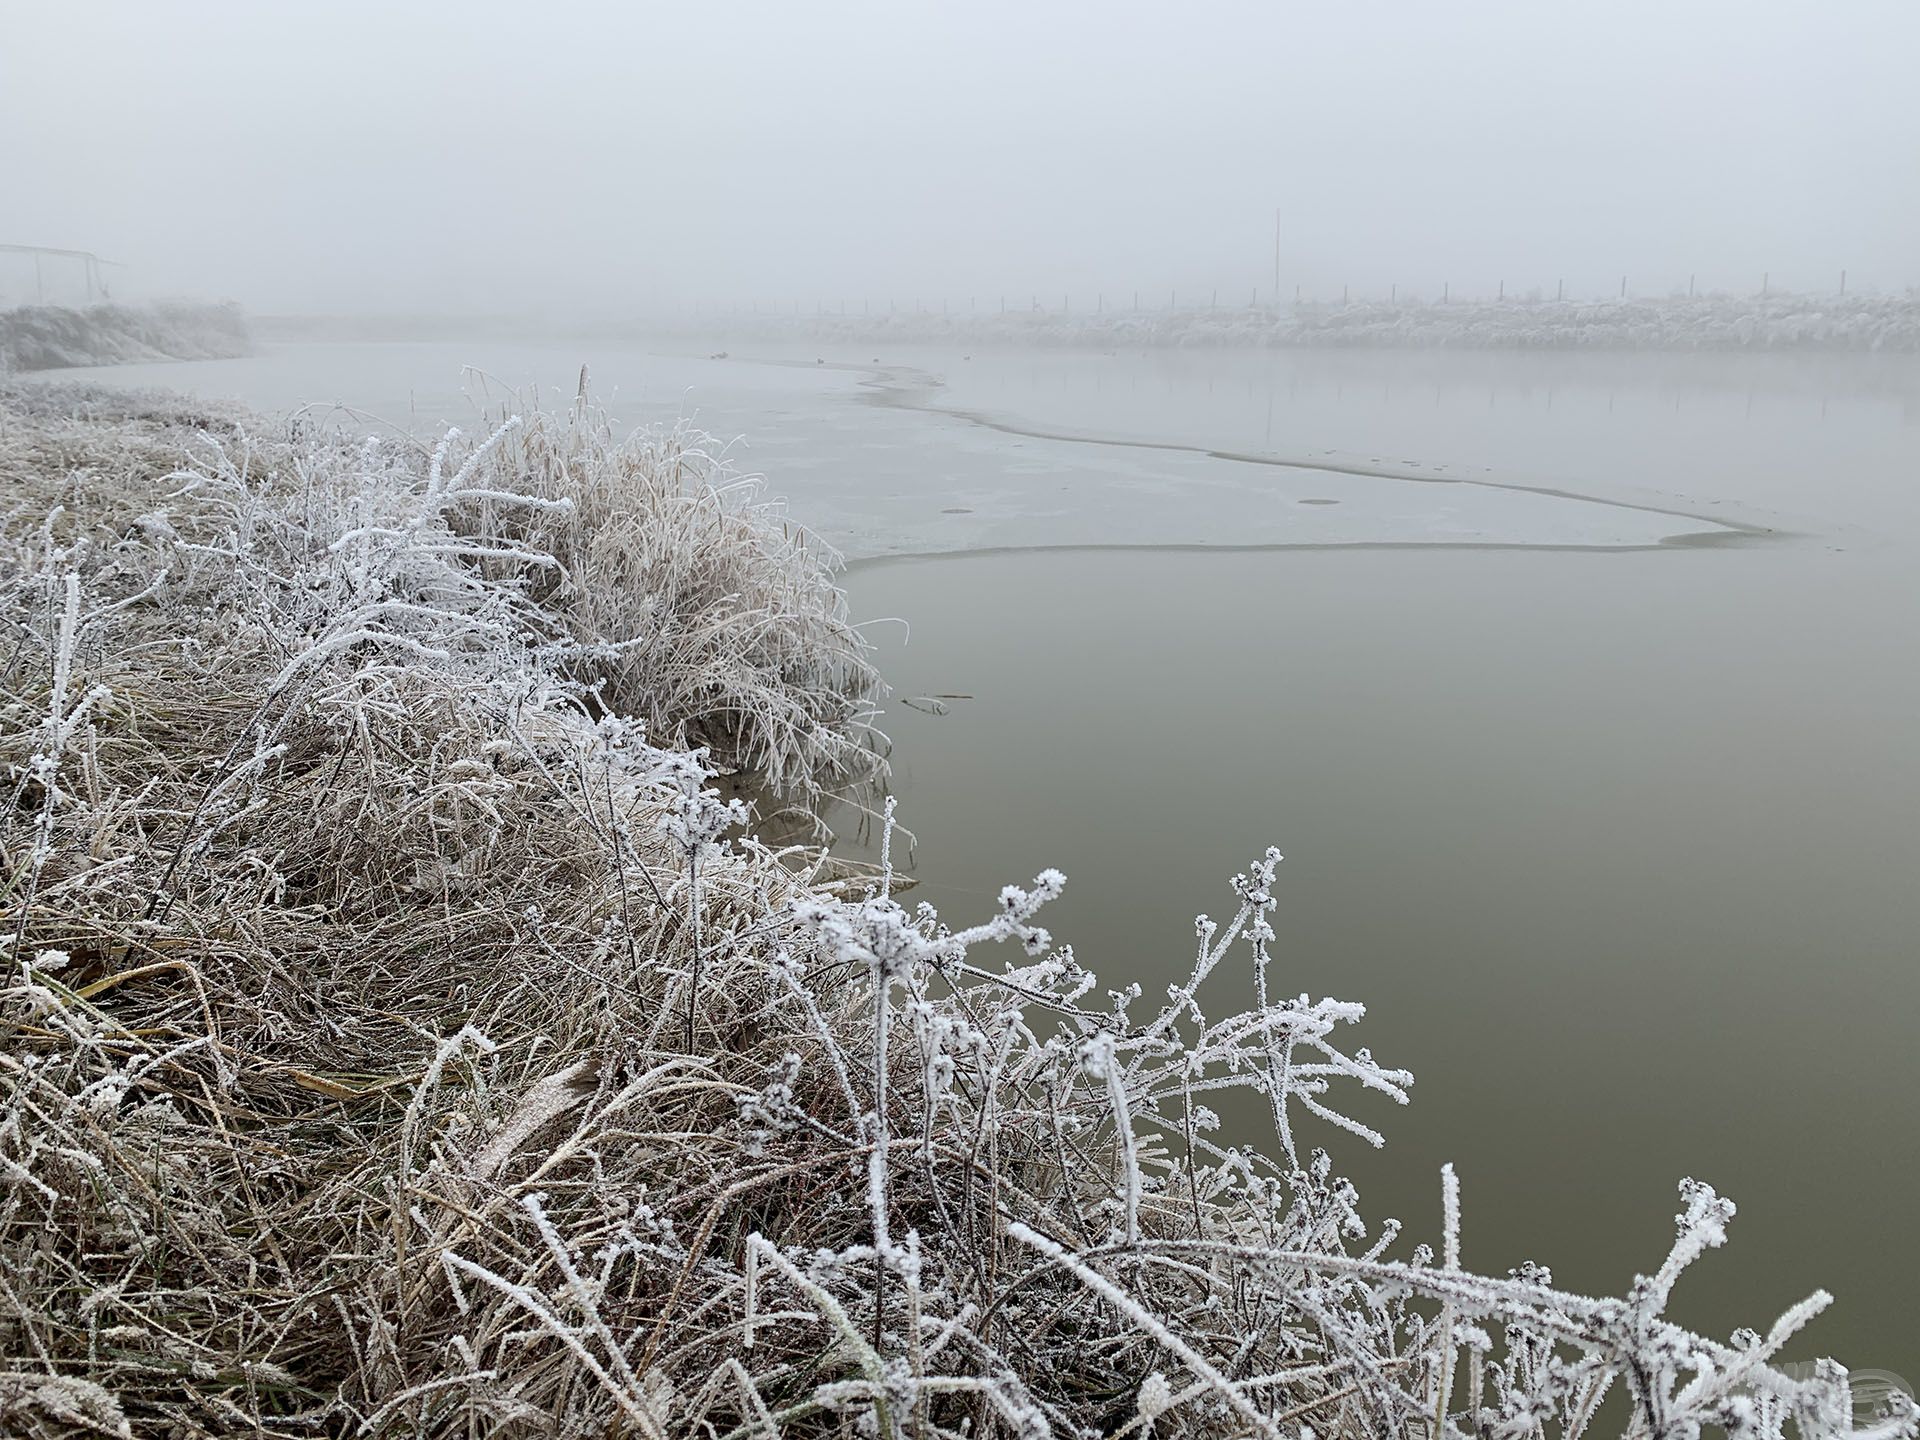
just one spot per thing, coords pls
(1776, 323)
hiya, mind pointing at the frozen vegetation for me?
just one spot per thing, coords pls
(405, 1035)
(52, 337)
(1712, 322)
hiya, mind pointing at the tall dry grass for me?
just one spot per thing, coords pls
(695, 604)
(400, 1040)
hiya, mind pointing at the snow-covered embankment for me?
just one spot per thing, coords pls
(53, 337)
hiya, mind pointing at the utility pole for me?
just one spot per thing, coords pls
(1843, 282)
(1276, 250)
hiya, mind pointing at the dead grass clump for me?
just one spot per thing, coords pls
(694, 604)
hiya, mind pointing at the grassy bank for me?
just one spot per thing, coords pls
(53, 337)
(405, 1034)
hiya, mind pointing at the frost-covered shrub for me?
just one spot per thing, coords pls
(400, 1040)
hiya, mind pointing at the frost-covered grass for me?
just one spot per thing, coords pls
(696, 606)
(401, 1037)
(52, 337)
(1708, 322)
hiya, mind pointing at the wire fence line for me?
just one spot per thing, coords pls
(1303, 295)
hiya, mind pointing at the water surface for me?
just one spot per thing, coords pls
(1619, 849)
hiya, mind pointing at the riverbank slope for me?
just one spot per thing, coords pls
(53, 337)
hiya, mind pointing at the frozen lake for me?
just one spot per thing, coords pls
(927, 452)
(1580, 692)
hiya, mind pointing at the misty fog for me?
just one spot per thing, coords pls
(579, 159)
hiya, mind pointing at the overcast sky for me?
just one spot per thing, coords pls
(482, 157)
